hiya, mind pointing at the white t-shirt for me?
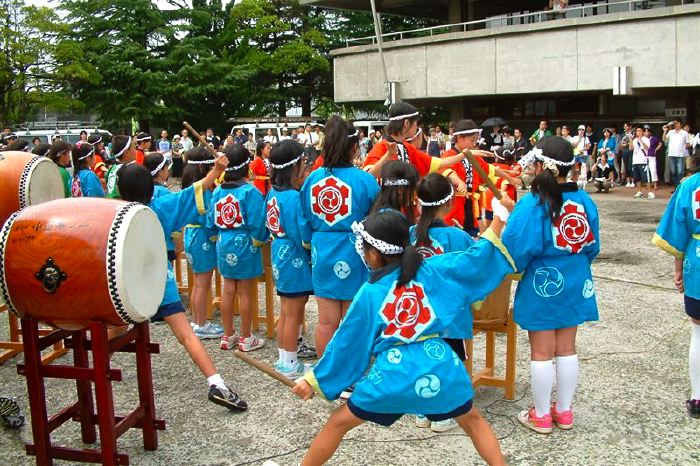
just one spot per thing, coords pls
(639, 153)
(676, 143)
(303, 138)
(271, 138)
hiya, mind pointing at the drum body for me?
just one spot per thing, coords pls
(494, 310)
(72, 261)
(27, 179)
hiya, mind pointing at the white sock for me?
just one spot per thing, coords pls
(290, 358)
(694, 362)
(542, 378)
(280, 354)
(567, 379)
(300, 336)
(217, 380)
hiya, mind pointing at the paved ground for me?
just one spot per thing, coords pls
(629, 408)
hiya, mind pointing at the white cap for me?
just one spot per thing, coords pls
(582, 127)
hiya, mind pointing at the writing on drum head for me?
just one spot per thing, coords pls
(51, 276)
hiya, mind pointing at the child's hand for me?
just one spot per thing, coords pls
(461, 187)
(678, 281)
(502, 208)
(220, 164)
(391, 149)
(303, 390)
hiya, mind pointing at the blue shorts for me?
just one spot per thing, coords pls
(384, 419)
(639, 173)
(166, 310)
(296, 294)
(692, 307)
(457, 346)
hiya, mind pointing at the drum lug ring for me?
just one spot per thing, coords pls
(51, 276)
(111, 262)
(4, 233)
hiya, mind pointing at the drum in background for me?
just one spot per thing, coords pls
(72, 261)
(27, 179)
(493, 311)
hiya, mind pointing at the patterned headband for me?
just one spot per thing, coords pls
(442, 201)
(285, 165)
(92, 152)
(361, 235)
(537, 154)
(403, 117)
(159, 167)
(201, 162)
(238, 167)
(395, 182)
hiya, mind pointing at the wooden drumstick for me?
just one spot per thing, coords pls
(200, 138)
(489, 184)
(262, 367)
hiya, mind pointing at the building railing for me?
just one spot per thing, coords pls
(578, 11)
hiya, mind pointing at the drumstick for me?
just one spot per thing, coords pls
(489, 184)
(262, 367)
(200, 138)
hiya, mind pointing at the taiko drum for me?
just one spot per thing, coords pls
(72, 261)
(27, 179)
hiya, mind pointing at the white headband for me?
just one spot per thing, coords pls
(395, 182)
(357, 131)
(145, 138)
(361, 235)
(238, 167)
(506, 151)
(285, 165)
(126, 147)
(442, 201)
(403, 117)
(160, 166)
(201, 162)
(418, 133)
(46, 154)
(92, 152)
(537, 154)
(467, 131)
(99, 140)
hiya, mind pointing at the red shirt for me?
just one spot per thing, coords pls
(424, 163)
(318, 163)
(458, 203)
(99, 167)
(261, 178)
(140, 155)
(500, 182)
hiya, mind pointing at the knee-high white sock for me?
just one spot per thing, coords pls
(694, 362)
(542, 378)
(567, 379)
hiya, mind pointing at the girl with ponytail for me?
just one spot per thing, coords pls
(553, 233)
(398, 191)
(85, 183)
(331, 199)
(397, 323)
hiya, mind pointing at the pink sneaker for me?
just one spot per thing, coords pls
(564, 420)
(541, 425)
(229, 342)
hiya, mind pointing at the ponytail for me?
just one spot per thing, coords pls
(410, 262)
(427, 217)
(546, 187)
(434, 191)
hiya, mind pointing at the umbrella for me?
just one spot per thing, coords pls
(493, 121)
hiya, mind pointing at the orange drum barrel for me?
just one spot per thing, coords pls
(72, 261)
(27, 179)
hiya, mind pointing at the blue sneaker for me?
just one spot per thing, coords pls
(207, 332)
(292, 372)
(217, 327)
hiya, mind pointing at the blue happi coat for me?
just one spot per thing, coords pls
(199, 242)
(158, 191)
(237, 212)
(86, 183)
(414, 370)
(679, 232)
(331, 200)
(443, 239)
(556, 289)
(291, 261)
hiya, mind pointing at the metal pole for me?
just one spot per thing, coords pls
(378, 33)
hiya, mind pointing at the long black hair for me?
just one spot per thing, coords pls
(398, 197)
(432, 188)
(545, 185)
(42, 149)
(80, 156)
(259, 147)
(194, 172)
(340, 143)
(237, 155)
(284, 152)
(392, 227)
(135, 183)
(19, 144)
(695, 159)
(58, 147)
(398, 109)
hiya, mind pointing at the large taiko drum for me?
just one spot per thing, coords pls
(27, 179)
(72, 261)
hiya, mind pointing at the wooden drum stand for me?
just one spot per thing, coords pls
(85, 410)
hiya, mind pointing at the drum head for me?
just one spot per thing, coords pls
(43, 183)
(137, 263)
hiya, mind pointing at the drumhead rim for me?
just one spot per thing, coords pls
(25, 177)
(4, 233)
(112, 282)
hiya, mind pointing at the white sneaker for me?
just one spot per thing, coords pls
(638, 195)
(250, 343)
(229, 342)
(630, 185)
(292, 372)
(422, 421)
(443, 426)
(651, 196)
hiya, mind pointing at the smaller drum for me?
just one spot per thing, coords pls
(494, 310)
(27, 179)
(72, 261)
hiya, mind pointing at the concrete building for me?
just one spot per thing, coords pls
(593, 62)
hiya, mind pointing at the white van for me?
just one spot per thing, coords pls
(369, 126)
(259, 130)
(70, 135)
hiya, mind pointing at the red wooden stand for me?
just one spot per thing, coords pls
(111, 427)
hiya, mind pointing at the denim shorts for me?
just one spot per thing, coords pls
(639, 173)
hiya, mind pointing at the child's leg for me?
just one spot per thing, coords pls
(281, 323)
(185, 335)
(482, 436)
(694, 360)
(202, 284)
(328, 440)
(247, 306)
(330, 312)
(567, 367)
(227, 297)
(293, 311)
(542, 350)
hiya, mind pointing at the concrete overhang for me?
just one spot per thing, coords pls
(417, 9)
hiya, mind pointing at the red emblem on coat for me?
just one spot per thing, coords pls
(407, 312)
(696, 203)
(273, 218)
(331, 200)
(228, 212)
(572, 231)
(430, 250)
